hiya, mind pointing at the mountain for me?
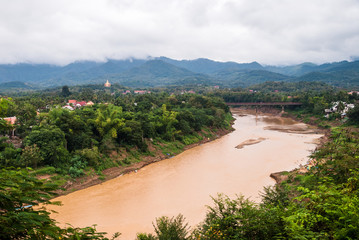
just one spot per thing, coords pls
(207, 66)
(158, 73)
(245, 78)
(16, 85)
(295, 70)
(343, 74)
(26, 72)
(164, 71)
(291, 86)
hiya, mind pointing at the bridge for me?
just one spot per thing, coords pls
(264, 103)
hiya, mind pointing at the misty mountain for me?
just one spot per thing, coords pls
(207, 66)
(164, 71)
(16, 85)
(343, 74)
(295, 70)
(159, 73)
(245, 78)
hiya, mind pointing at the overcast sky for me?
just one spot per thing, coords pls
(268, 31)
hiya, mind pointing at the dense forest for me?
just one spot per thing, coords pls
(49, 139)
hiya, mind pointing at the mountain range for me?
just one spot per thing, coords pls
(164, 71)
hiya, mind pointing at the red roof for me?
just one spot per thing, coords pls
(72, 101)
(10, 120)
(82, 103)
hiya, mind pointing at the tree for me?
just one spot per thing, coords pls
(51, 141)
(239, 219)
(168, 120)
(166, 228)
(353, 114)
(65, 91)
(109, 120)
(31, 156)
(4, 106)
(21, 217)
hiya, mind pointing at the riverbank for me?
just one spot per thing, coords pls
(306, 128)
(156, 155)
(185, 183)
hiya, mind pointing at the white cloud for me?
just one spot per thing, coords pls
(267, 31)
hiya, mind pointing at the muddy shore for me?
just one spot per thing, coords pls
(110, 173)
(281, 176)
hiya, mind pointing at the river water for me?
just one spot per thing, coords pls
(184, 183)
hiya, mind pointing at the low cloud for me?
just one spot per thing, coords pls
(270, 32)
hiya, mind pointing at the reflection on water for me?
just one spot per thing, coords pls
(184, 184)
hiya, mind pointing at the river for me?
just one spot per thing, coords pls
(184, 183)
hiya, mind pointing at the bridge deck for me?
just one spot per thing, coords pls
(264, 104)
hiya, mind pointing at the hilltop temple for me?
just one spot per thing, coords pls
(107, 84)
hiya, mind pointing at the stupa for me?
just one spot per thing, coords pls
(107, 84)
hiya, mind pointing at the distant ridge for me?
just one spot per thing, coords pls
(16, 85)
(163, 71)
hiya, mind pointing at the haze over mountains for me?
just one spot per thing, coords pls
(164, 71)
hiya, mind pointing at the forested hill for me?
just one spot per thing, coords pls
(164, 71)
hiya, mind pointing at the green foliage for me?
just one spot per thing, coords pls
(51, 141)
(91, 156)
(239, 219)
(31, 156)
(65, 91)
(9, 155)
(166, 228)
(77, 165)
(353, 114)
(4, 106)
(21, 217)
(19, 192)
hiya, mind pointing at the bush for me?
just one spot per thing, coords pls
(77, 166)
(166, 228)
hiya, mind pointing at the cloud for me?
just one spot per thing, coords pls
(267, 31)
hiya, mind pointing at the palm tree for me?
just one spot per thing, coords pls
(109, 120)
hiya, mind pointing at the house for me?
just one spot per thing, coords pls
(11, 121)
(334, 109)
(90, 103)
(75, 104)
(82, 103)
(140, 92)
(68, 107)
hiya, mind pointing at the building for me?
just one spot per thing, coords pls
(140, 92)
(11, 121)
(72, 104)
(107, 84)
(339, 107)
(68, 107)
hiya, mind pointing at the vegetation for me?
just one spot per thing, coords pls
(320, 204)
(86, 137)
(22, 212)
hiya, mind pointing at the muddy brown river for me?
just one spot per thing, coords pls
(238, 163)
